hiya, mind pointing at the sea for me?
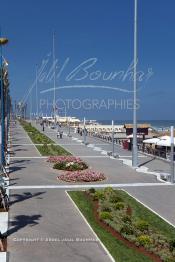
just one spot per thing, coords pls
(159, 125)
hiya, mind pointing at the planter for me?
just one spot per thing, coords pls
(116, 234)
(82, 176)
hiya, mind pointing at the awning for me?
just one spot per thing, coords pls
(165, 142)
(151, 141)
(160, 141)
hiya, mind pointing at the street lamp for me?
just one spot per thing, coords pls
(134, 147)
(3, 41)
(54, 80)
(113, 138)
(172, 154)
(36, 93)
(84, 131)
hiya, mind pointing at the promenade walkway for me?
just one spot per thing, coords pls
(158, 198)
(115, 171)
(38, 214)
(43, 210)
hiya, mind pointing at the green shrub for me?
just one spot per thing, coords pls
(108, 190)
(172, 245)
(127, 229)
(142, 225)
(105, 207)
(72, 166)
(119, 206)
(144, 240)
(114, 198)
(105, 215)
(126, 219)
(99, 195)
(92, 190)
(168, 259)
(60, 165)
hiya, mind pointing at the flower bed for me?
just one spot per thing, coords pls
(68, 163)
(82, 176)
(57, 159)
(114, 211)
(70, 166)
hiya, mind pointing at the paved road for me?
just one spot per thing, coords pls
(41, 214)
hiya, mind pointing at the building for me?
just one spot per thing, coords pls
(142, 129)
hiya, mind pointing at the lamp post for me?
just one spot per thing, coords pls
(134, 148)
(54, 80)
(84, 131)
(36, 93)
(172, 154)
(112, 137)
(3, 41)
(8, 102)
(31, 105)
(69, 128)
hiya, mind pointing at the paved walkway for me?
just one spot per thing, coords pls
(158, 198)
(154, 164)
(114, 169)
(46, 211)
(38, 214)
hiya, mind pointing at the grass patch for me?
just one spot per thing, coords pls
(118, 250)
(143, 213)
(48, 148)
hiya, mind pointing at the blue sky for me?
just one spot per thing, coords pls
(98, 29)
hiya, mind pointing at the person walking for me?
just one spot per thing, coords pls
(61, 134)
(1, 242)
(58, 133)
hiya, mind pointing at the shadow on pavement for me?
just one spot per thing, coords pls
(20, 161)
(146, 162)
(25, 196)
(22, 221)
(20, 149)
(16, 168)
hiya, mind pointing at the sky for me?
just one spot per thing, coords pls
(94, 56)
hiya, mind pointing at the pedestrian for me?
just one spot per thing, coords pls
(58, 133)
(1, 241)
(61, 134)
